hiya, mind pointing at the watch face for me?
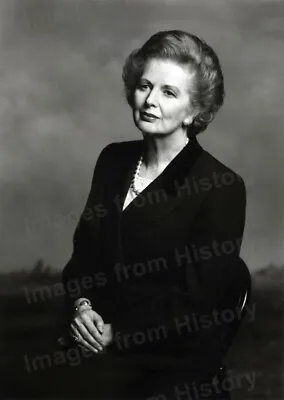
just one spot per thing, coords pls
(83, 303)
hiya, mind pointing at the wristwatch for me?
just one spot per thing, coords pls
(83, 302)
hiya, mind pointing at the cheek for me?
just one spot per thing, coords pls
(173, 111)
(137, 99)
(181, 110)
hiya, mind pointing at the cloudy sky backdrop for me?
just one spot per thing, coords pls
(61, 101)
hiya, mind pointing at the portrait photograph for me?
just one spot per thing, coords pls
(141, 199)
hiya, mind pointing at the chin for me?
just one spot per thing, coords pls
(147, 128)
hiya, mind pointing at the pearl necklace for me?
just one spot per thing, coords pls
(132, 186)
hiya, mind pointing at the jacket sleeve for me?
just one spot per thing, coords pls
(205, 311)
(83, 275)
(214, 247)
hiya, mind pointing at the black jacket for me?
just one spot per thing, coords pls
(166, 271)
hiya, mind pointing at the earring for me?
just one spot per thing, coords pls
(185, 124)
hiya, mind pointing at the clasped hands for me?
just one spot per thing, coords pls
(90, 331)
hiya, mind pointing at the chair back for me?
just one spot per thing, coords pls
(243, 296)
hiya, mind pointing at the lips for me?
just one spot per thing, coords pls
(149, 115)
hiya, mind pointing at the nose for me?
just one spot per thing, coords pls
(152, 98)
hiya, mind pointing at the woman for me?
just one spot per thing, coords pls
(156, 252)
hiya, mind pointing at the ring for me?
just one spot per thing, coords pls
(76, 338)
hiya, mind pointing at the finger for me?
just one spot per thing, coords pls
(92, 328)
(84, 348)
(87, 336)
(82, 342)
(91, 350)
(87, 347)
(86, 352)
(99, 323)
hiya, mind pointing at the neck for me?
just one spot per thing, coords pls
(160, 151)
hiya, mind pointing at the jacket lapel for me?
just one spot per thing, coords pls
(164, 193)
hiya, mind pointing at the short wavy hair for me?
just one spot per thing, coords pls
(186, 49)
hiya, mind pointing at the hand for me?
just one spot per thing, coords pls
(107, 336)
(88, 326)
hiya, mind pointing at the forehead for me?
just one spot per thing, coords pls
(167, 72)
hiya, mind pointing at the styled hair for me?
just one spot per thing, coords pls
(188, 50)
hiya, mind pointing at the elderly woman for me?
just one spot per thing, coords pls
(159, 281)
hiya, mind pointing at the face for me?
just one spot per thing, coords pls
(163, 91)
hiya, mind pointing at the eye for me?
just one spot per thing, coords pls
(143, 86)
(169, 93)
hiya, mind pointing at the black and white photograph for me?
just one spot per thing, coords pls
(141, 199)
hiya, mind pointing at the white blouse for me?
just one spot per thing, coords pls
(140, 184)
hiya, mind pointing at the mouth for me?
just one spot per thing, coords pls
(148, 115)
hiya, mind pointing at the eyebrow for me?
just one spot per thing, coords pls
(165, 86)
